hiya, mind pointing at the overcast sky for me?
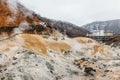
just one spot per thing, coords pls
(78, 12)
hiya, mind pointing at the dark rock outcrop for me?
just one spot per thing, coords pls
(114, 42)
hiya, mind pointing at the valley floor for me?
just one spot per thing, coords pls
(38, 57)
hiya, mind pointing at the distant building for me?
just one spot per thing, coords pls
(101, 33)
(108, 33)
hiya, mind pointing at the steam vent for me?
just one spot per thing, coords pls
(13, 14)
(34, 48)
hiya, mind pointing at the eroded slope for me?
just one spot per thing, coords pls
(30, 56)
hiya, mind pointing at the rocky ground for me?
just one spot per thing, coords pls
(25, 60)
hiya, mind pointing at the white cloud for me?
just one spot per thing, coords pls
(76, 11)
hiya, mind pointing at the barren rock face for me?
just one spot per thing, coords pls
(16, 19)
(13, 14)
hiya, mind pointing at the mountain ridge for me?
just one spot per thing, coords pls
(66, 28)
(112, 25)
